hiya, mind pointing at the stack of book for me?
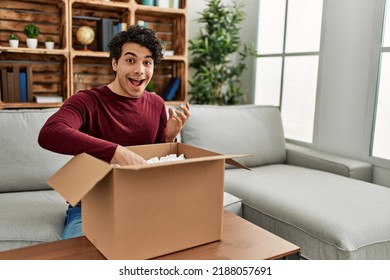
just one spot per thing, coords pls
(107, 28)
(171, 89)
(48, 99)
(166, 4)
(16, 84)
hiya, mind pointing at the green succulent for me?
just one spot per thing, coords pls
(13, 36)
(31, 30)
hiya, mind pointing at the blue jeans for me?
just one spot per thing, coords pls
(72, 223)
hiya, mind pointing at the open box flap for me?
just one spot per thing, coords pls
(186, 161)
(191, 153)
(78, 176)
(236, 163)
(202, 152)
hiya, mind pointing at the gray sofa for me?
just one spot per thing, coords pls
(318, 201)
(30, 211)
(321, 202)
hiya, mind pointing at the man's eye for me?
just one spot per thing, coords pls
(130, 60)
(148, 63)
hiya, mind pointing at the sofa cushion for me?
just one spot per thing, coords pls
(329, 216)
(325, 161)
(24, 165)
(241, 129)
(232, 204)
(29, 218)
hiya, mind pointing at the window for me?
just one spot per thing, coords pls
(286, 72)
(381, 132)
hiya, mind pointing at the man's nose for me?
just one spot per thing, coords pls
(138, 68)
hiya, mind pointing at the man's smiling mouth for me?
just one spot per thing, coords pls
(136, 82)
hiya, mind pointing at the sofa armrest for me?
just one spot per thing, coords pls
(310, 158)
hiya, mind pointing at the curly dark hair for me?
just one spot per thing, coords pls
(140, 35)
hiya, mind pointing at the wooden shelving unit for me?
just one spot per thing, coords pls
(68, 67)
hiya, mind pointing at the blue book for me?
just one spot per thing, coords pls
(171, 89)
(23, 86)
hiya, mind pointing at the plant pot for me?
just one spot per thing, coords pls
(32, 43)
(49, 45)
(14, 43)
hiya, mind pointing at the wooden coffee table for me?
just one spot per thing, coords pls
(241, 240)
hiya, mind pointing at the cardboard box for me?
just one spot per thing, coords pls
(147, 210)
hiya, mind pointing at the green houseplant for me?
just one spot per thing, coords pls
(49, 43)
(13, 37)
(217, 77)
(13, 40)
(32, 32)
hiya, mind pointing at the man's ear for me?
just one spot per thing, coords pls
(114, 64)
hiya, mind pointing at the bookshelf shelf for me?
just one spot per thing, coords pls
(23, 50)
(163, 10)
(90, 54)
(67, 68)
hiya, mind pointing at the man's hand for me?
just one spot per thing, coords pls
(124, 157)
(176, 121)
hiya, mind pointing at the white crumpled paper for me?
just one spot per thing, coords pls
(170, 157)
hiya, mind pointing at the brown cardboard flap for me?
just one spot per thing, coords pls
(228, 159)
(236, 163)
(78, 176)
(186, 161)
(198, 152)
(191, 153)
(153, 150)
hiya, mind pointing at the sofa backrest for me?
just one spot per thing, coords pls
(239, 129)
(24, 165)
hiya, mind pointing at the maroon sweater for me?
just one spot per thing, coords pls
(95, 121)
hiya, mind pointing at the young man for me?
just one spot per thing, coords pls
(102, 121)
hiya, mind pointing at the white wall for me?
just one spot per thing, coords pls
(348, 67)
(347, 83)
(350, 29)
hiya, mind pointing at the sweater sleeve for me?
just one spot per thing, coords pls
(61, 133)
(162, 127)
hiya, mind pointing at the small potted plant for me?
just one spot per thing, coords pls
(49, 43)
(32, 31)
(13, 41)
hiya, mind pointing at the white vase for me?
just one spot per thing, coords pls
(162, 3)
(14, 43)
(32, 43)
(49, 45)
(174, 4)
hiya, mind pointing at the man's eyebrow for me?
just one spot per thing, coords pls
(130, 53)
(133, 54)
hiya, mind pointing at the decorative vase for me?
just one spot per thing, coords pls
(174, 4)
(32, 43)
(49, 45)
(148, 2)
(14, 43)
(162, 3)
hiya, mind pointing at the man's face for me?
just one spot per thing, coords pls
(134, 70)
